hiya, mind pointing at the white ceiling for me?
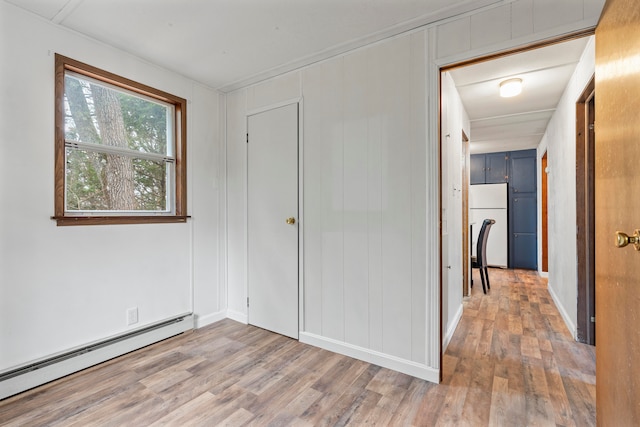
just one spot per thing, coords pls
(228, 43)
(517, 123)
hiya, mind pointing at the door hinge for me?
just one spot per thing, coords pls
(592, 126)
(247, 301)
(593, 319)
(247, 138)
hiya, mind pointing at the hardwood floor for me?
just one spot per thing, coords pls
(511, 362)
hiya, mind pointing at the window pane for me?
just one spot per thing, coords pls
(98, 114)
(103, 182)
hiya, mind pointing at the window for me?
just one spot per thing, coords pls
(120, 149)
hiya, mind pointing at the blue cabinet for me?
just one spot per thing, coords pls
(523, 210)
(490, 168)
(496, 168)
(518, 170)
(477, 169)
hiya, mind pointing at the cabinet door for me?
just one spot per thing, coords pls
(496, 168)
(477, 169)
(523, 210)
(523, 175)
(525, 254)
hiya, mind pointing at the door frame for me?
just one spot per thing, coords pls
(435, 83)
(544, 233)
(299, 219)
(585, 217)
(466, 244)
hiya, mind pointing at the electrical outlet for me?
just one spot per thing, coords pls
(132, 316)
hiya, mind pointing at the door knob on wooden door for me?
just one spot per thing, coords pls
(623, 239)
(291, 220)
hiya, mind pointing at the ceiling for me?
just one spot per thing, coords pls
(518, 123)
(227, 44)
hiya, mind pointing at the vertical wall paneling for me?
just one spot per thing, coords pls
(454, 120)
(550, 13)
(314, 135)
(500, 28)
(236, 205)
(432, 174)
(396, 220)
(274, 91)
(365, 199)
(375, 102)
(324, 156)
(356, 245)
(521, 18)
(418, 197)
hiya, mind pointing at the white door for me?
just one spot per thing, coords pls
(272, 229)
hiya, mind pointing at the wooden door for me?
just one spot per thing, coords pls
(272, 220)
(617, 200)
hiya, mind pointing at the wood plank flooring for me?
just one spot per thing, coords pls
(511, 362)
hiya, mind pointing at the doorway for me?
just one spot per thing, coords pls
(272, 220)
(497, 131)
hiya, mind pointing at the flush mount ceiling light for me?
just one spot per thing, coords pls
(511, 87)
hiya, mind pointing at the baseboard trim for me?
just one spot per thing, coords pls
(202, 321)
(408, 367)
(452, 328)
(567, 320)
(237, 316)
(60, 365)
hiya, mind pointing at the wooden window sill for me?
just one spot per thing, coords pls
(107, 220)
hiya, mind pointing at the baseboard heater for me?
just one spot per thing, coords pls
(34, 374)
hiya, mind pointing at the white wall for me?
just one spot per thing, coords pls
(560, 143)
(370, 139)
(454, 120)
(363, 121)
(61, 287)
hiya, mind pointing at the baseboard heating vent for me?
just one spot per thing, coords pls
(41, 372)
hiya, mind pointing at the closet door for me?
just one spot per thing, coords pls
(523, 208)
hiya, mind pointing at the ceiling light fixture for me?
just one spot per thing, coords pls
(511, 87)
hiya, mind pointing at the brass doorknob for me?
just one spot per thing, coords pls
(623, 239)
(291, 220)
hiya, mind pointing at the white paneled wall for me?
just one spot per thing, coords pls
(363, 121)
(371, 181)
(365, 198)
(560, 143)
(511, 24)
(454, 121)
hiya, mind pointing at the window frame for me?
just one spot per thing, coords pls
(179, 195)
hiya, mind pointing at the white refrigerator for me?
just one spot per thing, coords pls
(490, 201)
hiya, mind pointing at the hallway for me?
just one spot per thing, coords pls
(511, 362)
